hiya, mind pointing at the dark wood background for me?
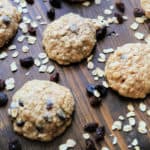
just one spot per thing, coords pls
(76, 77)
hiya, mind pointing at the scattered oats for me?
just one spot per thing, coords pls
(139, 35)
(90, 65)
(86, 3)
(104, 148)
(127, 128)
(37, 62)
(42, 55)
(97, 2)
(43, 23)
(31, 39)
(125, 17)
(148, 112)
(142, 127)
(63, 147)
(71, 143)
(117, 125)
(108, 50)
(132, 121)
(21, 38)
(96, 93)
(26, 20)
(142, 107)
(147, 39)
(121, 118)
(135, 142)
(100, 72)
(107, 12)
(38, 17)
(15, 54)
(105, 84)
(25, 49)
(13, 67)
(114, 139)
(130, 114)
(23, 27)
(34, 24)
(27, 73)
(10, 83)
(130, 107)
(134, 26)
(12, 47)
(25, 10)
(45, 61)
(42, 68)
(111, 7)
(90, 58)
(137, 148)
(50, 69)
(102, 57)
(96, 78)
(140, 19)
(3, 55)
(86, 136)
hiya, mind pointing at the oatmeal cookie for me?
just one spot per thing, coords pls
(127, 70)
(146, 6)
(9, 20)
(70, 39)
(41, 110)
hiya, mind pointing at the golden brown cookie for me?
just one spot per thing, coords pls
(41, 110)
(146, 6)
(127, 70)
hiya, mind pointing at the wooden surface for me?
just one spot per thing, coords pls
(76, 77)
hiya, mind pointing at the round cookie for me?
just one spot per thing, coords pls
(127, 70)
(9, 21)
(41, 110)
(70, 39)
(145, 4)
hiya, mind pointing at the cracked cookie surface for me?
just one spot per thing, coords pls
(70, 39)
(41, 110)
(145, 4)
(127, 70)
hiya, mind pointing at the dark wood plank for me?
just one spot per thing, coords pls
(76, 77)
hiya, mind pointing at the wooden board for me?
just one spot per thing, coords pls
(76, 77)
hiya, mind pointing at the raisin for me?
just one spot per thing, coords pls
(138, 12)
(15, 145)
(95, 102)
(51, 14)
(6, 20)
(100, 133)
(90, 145)
(30, 1)
(61, 114)
(101, 33)
(55, 3)
(90, 127)
(119, 18)
(102, 90)
(49, 104)
(54, 77)
(90, 89)
(120, 6)
(31, 30)
(3, 99)
(20, 123)
(27, 62)
(2, 85)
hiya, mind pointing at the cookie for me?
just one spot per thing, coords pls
(9, 21)
(145, 4)
(41, 110)
(70, 39)
(127, 70)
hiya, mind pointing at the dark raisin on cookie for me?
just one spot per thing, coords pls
(90, 127)
(6, 19)
(61, 114)
(20, 123)
(49, 104)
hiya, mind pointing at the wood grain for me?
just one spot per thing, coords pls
(76, 77)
